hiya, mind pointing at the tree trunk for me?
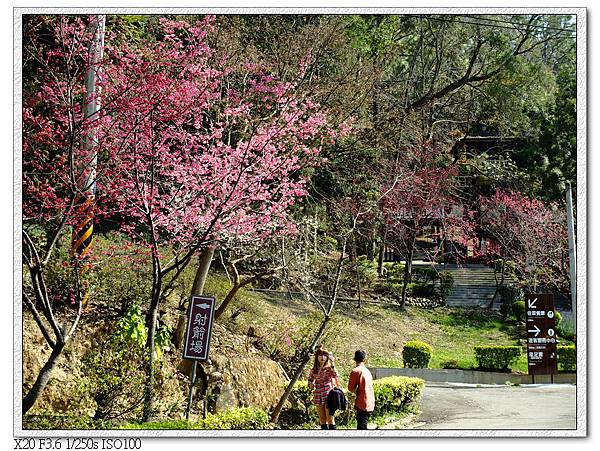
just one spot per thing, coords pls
(203, 266)
(43, 377)
(204, 263)
(149, 389)
(408, 269)
(498, 284)
(381, 253)
(236, 287)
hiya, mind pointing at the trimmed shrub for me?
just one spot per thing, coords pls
(157, 425)
(496, 358)
(396, 393)
(567, 357)
(416, 354)
(239, 418)
(48, 422)
(450, 364)
(518, 309)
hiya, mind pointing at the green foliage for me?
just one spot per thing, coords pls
(557, 319)
(159, 425)
(416, 354)
(446, 283)
(567, 357)
(113, 374)
(422, 290)
(50, 422)
(113, 370)
(367, 270)
(496, 358)
(131, 329)
(451, 364)
(238, 418)
(518, 309)
(566, 328)
(396, 393)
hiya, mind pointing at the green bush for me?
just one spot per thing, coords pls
(496, 358)
(367, 270)
(416, 354)
(49, 422)
(446, 283)
(567, 357)
(557, 319)
(518, 310)
(451, 364)
(422, 290)
(166, 424)
(396, 393)
(566, 328)
(239, 418)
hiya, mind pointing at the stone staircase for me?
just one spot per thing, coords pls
(474, 285)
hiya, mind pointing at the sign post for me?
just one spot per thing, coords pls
(197, 336)
(541, 334)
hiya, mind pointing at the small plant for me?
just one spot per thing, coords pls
(496, 358)
(446, 283)
(557, 319)
(567, 357)
(566, 328)
(450, 364)
(416, 354)
(518, 310)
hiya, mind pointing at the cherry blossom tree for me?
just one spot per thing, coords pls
(529, 233)
(417, 193)
(193, 150)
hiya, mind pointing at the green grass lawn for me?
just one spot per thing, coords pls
(382, 330)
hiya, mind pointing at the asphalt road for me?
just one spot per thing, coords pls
(465, 406)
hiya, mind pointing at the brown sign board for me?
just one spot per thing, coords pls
(199, 328)
(541, 333)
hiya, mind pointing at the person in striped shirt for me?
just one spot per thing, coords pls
(321, 379)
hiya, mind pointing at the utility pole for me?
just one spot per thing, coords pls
(82, 232)
(572, 256)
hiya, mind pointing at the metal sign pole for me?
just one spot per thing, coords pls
(193, 379)
(572, 256)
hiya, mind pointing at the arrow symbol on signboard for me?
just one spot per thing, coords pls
(203, 306)
(531, 302)
(536, 330)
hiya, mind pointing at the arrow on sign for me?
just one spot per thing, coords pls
(203, 306)
(531, 302)
(536, 330)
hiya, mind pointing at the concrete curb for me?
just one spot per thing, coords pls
(474, 377)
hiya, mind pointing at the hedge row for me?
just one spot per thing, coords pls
(496, 357)
(239, 418)
(395, 394)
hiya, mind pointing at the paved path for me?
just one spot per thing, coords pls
(463, 406)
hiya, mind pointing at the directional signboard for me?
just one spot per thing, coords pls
(199, 328)
(541, 335)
